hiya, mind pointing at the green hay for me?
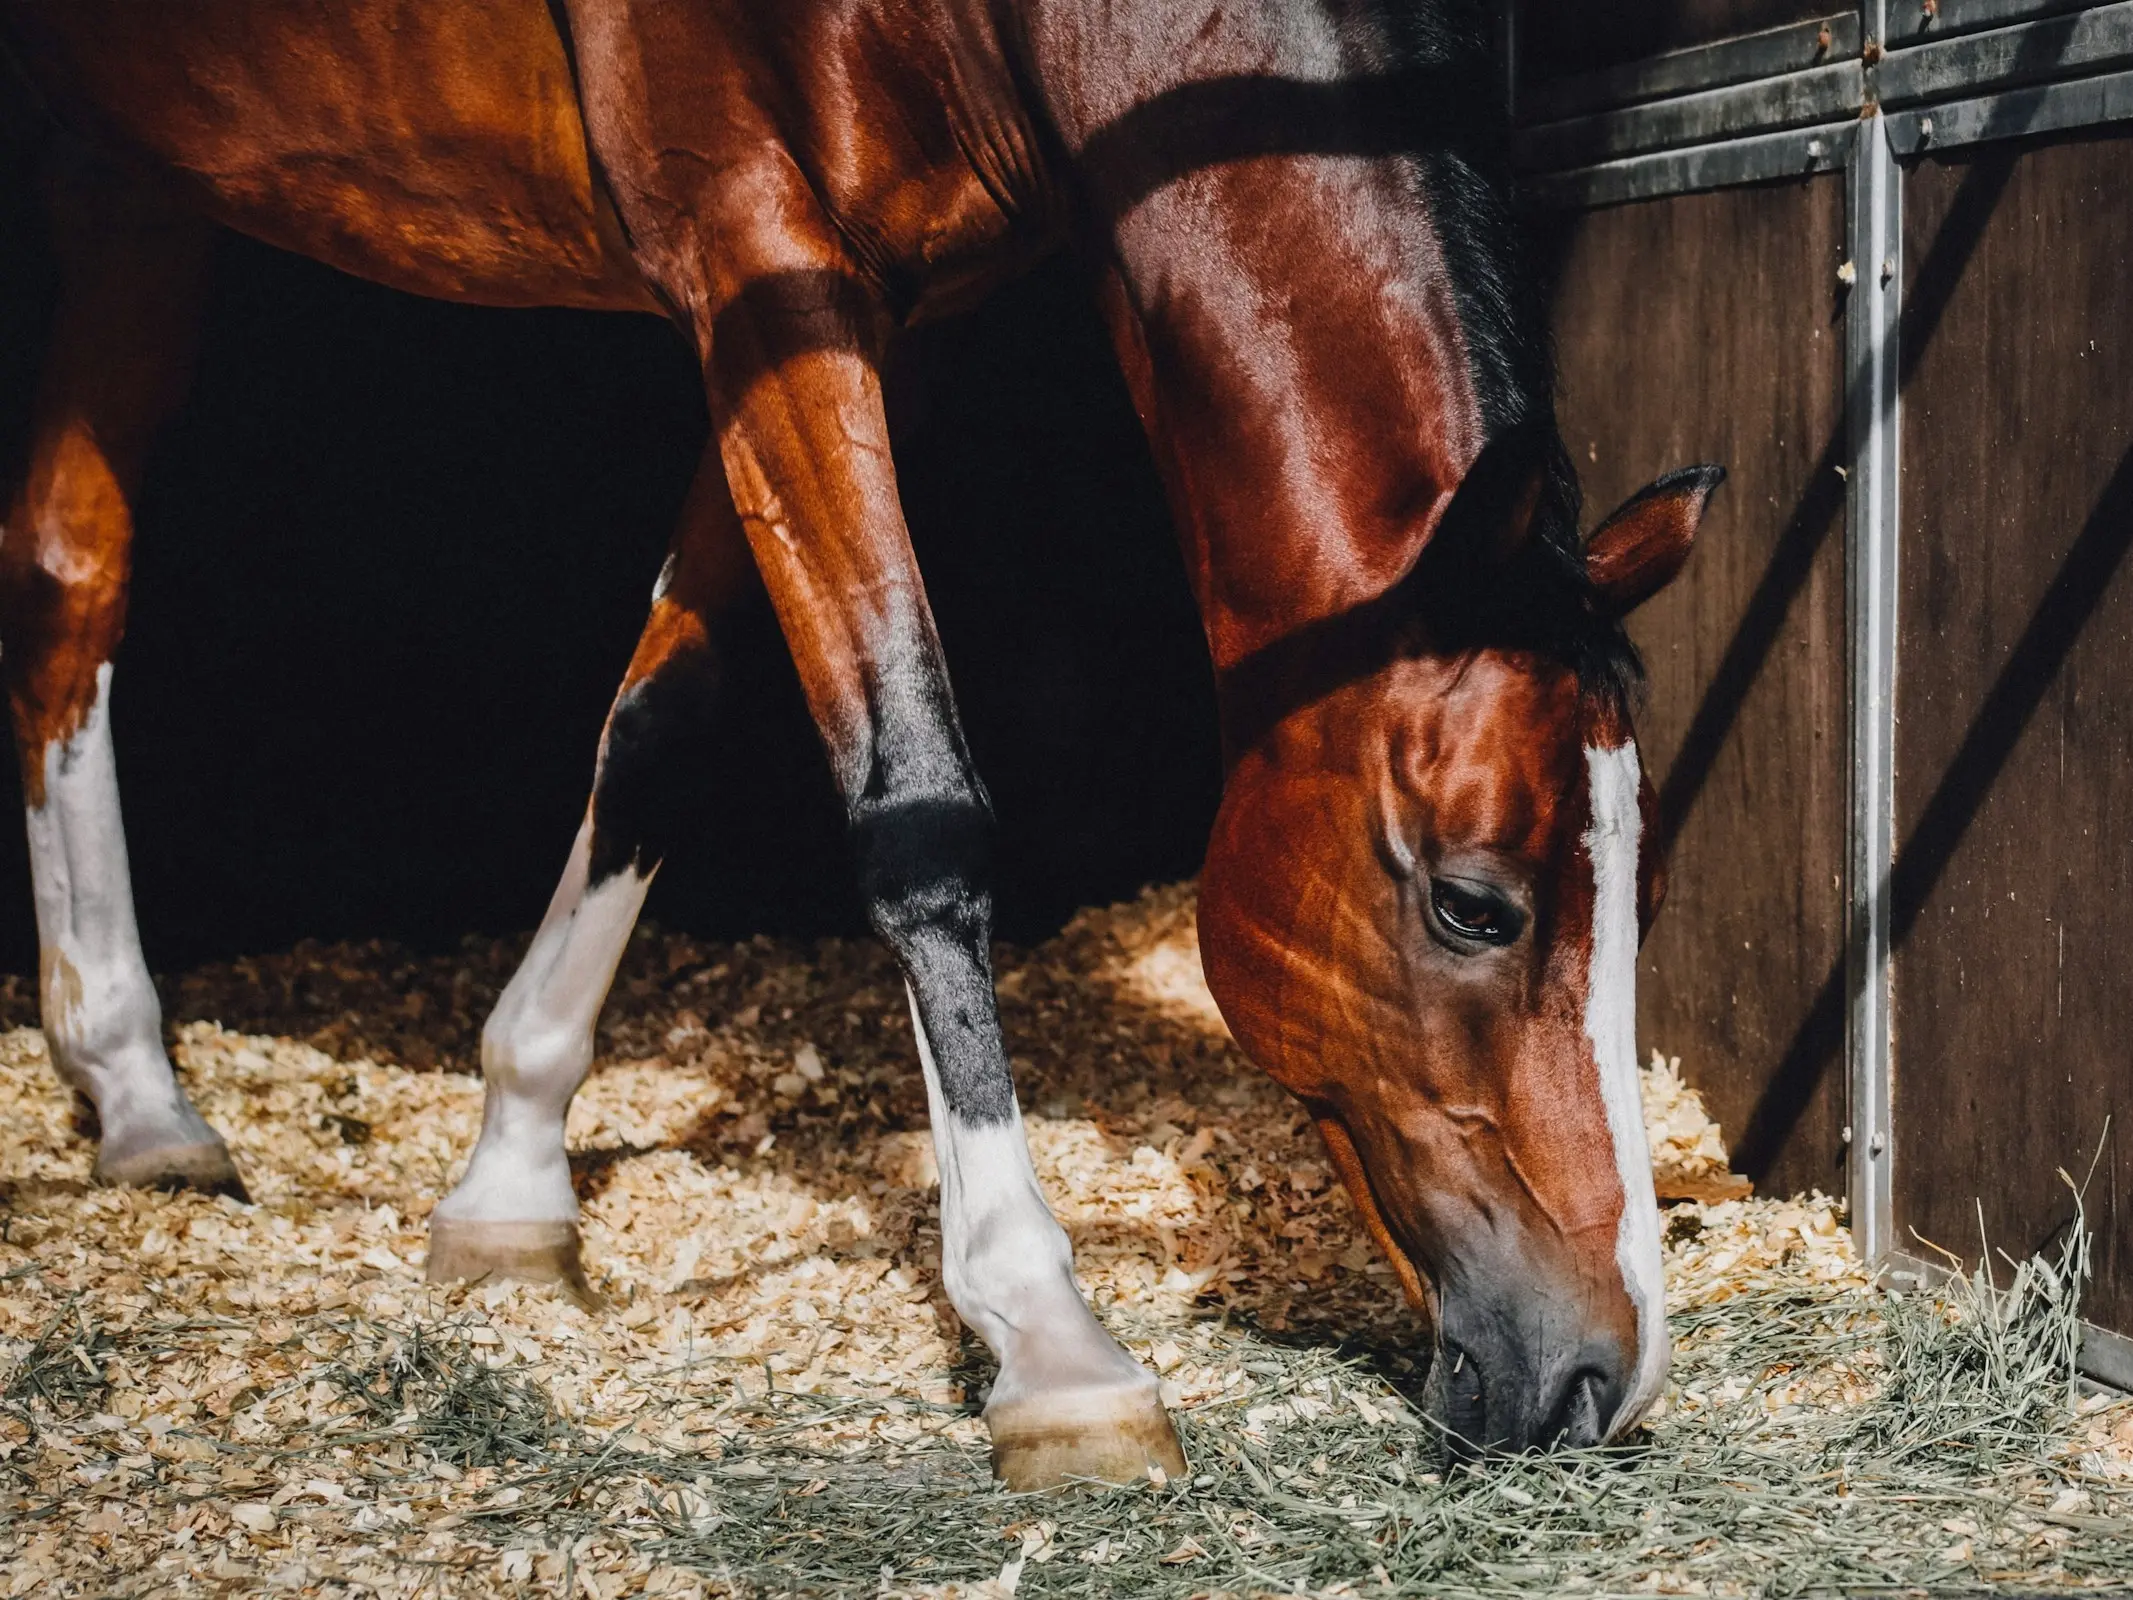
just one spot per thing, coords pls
(1972, 1396)
(62, 1373)
(429, 1385)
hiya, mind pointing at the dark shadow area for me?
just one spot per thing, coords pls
(1566, 38)
(394, 555)
(1219, 120)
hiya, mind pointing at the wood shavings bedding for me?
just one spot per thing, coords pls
(757, 1182)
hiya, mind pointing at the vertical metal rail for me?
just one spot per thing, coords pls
(1874, 225)
(1507, 44)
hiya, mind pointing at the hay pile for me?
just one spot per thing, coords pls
(207, 1397)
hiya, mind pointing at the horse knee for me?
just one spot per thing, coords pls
(62, 608)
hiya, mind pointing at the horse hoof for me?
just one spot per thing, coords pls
(204, 1166)
(1046, 1442)
(523, 1252)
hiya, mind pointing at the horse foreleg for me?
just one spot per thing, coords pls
(798, 401)
(514, 1212)
(132, 274)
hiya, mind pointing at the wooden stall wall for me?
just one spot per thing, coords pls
(1709, 328)
(2012, 896)
(1559, 38)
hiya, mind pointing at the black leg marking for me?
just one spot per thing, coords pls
(921, 831)
(654, 761)
(923, 867)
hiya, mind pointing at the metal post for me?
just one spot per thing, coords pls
(1507, 40)
(1874, 224)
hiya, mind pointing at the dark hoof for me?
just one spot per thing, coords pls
(205, 1167)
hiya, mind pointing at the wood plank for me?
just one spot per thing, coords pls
(2010, 898)
(1707, 328)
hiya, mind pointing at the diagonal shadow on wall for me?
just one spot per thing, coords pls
(1763, 621)
(2076, 590)
(1819, 1039)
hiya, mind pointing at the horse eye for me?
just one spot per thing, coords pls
(1473, 912)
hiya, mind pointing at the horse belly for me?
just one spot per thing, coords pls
(432, 146)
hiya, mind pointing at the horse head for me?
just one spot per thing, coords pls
(1420, 912)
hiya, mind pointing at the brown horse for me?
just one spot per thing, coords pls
(1423, 896)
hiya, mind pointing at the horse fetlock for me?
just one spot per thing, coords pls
(102, 1024)
(533, 1057)
(1068, 1403)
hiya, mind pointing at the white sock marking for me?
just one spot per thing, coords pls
(538, 1045)
(1005, 1260)
(101, 1019)
(1611, 1025)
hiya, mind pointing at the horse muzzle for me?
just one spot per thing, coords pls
(1495, 1388)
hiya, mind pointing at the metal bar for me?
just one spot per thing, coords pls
(2088, 41)
(1791, 48)
(1507, 41)
(2106, 1357)
(2049, 108)
(1916, 23)
(1763, 158)
(1874, 225)
(1820, 94)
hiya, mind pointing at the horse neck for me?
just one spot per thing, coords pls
(1282, 300)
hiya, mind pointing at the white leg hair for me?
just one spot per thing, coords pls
(101, 1019)
(1611, 1024)
(1010, 1273)
(538, 1046)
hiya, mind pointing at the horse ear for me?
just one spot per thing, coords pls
(1636, 552)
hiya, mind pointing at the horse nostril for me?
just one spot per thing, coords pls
(1581, 1419)
(1463, 1401)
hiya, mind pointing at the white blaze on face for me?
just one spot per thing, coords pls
(1611, 1025)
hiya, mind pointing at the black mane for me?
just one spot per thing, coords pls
(1462, 172)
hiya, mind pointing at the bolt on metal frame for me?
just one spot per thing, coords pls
(1863, 89)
